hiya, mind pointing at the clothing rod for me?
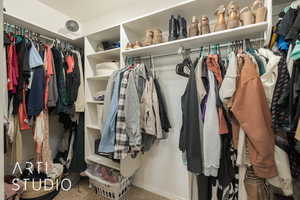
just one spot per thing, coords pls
(197, 50)
(41, 36)
(47, 38)
(38, 34)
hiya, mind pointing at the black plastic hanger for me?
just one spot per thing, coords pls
(184, 68)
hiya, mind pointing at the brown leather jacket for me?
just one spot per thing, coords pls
(251, 110)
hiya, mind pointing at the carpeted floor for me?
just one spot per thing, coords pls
(83, 192)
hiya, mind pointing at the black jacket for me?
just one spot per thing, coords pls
(190, 130)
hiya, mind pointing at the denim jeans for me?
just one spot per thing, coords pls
(107, 143)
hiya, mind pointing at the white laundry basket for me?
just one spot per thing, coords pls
(110, 191)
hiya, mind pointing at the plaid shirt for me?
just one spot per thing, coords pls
(122, 140)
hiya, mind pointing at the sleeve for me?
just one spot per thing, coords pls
(132, 113)
(251, 110)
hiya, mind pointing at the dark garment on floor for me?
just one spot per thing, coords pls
(287, 21)
(164, 119)
(189, 141)
(49, 196)
(279, 106)
(78, 164)
(37, 91)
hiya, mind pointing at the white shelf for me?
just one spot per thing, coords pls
(244, 32)
(95, 102)
(97, 78)
(188, 9)
(112, 54)
(104, 161)
(93, 127)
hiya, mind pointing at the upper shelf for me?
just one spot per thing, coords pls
(112, 33)
(188, 9)
(243, 32)
(112, 54)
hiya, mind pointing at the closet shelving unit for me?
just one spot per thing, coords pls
(134, 30)
(93, 84)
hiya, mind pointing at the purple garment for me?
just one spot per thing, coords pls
(203, 107)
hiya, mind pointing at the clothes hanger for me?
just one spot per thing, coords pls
(184, 68)
(153, 67)
(201, 52)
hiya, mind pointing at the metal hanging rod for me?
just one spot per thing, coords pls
(20, 28)
(197, 50)
(14, 28)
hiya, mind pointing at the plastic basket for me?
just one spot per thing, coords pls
(110, 191)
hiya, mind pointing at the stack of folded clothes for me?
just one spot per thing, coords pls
(106, 68)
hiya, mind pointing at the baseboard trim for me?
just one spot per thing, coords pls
(159, 192)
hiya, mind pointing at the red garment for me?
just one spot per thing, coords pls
(12, 67)
(71, 63)
(16, 70)
(49, 60)
(23, 117)
(49, 72)
(10, 83)
(213, 65)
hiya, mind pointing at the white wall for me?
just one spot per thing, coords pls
(39, 14)
(162, 169)
(127, 12)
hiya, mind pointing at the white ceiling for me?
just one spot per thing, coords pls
(87, 9)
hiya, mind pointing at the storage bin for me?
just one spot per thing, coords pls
(110, 191)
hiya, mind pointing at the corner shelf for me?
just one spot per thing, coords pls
(96, 78)
(243, 32)
(103, 161)
(112, 54)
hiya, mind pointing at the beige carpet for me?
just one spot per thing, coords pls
(83, 192)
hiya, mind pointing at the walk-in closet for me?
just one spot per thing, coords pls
(150, 100)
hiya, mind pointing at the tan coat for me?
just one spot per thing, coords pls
(251, 110)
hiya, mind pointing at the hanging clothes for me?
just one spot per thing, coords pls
(78, 164)
(256, 120)
(211, 137)
(80, 101)
(121, 144)
(107, 143)
(189, 141)
(269, 78)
